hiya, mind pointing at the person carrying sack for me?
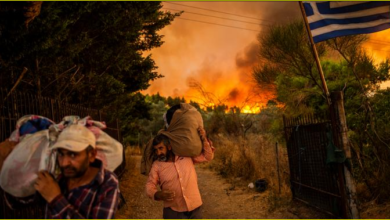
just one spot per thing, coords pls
(84, 189)
(177, 178)
(182, 122)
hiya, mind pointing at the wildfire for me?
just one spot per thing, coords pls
(253, 109)
(379, 45)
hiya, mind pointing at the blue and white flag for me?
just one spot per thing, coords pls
(334, 19)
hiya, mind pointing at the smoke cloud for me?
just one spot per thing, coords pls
(216, 58)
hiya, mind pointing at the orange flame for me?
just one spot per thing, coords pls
(379, 45)
(252, 109)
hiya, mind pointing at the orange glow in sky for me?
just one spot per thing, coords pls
(379, 47)
(212, 63)
(216, 58)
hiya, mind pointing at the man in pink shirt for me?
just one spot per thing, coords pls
(177, 179)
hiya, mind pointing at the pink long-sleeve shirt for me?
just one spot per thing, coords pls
(179, 176)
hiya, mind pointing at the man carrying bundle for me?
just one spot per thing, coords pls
(85, 189)
(177, 178)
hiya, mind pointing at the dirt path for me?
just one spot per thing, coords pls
(221, 200)
(224, 200)
(132, 186)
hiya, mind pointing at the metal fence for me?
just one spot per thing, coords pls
(312, 180)
(19, 104)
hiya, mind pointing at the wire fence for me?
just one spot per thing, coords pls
(17, 104)
(312, 180)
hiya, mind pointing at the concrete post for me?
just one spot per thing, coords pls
(338, 101)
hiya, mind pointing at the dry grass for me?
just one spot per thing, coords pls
(133, 150)
(222, 199)
(246, 160)
(375, 211)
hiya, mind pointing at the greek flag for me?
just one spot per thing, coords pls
(334, 19)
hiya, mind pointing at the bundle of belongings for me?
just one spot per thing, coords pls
(182, 123)
(28, 150)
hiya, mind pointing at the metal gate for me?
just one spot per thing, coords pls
(312, 180)
(19, 104)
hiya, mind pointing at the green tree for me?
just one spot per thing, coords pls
(288, 65)
(88, 53)
(147, 128)
(84, 52)
(156, 98)
(175, 101)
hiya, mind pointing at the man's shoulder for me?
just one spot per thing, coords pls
(110, 178)
(186, 159)
(156, 164)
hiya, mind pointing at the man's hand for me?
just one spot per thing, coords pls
(47, 186)
(164, 195)
(202, 134)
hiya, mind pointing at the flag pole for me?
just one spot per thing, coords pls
(315, 53)
(353, 212)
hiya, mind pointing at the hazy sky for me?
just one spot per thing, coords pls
(220, 58)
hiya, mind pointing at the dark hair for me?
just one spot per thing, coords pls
(160, 138)
(170, 113)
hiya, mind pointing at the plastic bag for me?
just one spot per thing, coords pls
(20, 168)
(33, 152)
(30, 155)
(29, 124)
(109, 150)
(6, 148)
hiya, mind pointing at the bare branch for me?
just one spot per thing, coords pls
(60, 76)
(17, 83)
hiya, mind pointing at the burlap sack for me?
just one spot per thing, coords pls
(182, 133)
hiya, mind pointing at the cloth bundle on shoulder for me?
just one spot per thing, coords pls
(109, 150)
(5, 149)
(182, 133)
(34, 136)
(30, 155)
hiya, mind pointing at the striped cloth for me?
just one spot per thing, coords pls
(97, 200)
(334, 19)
